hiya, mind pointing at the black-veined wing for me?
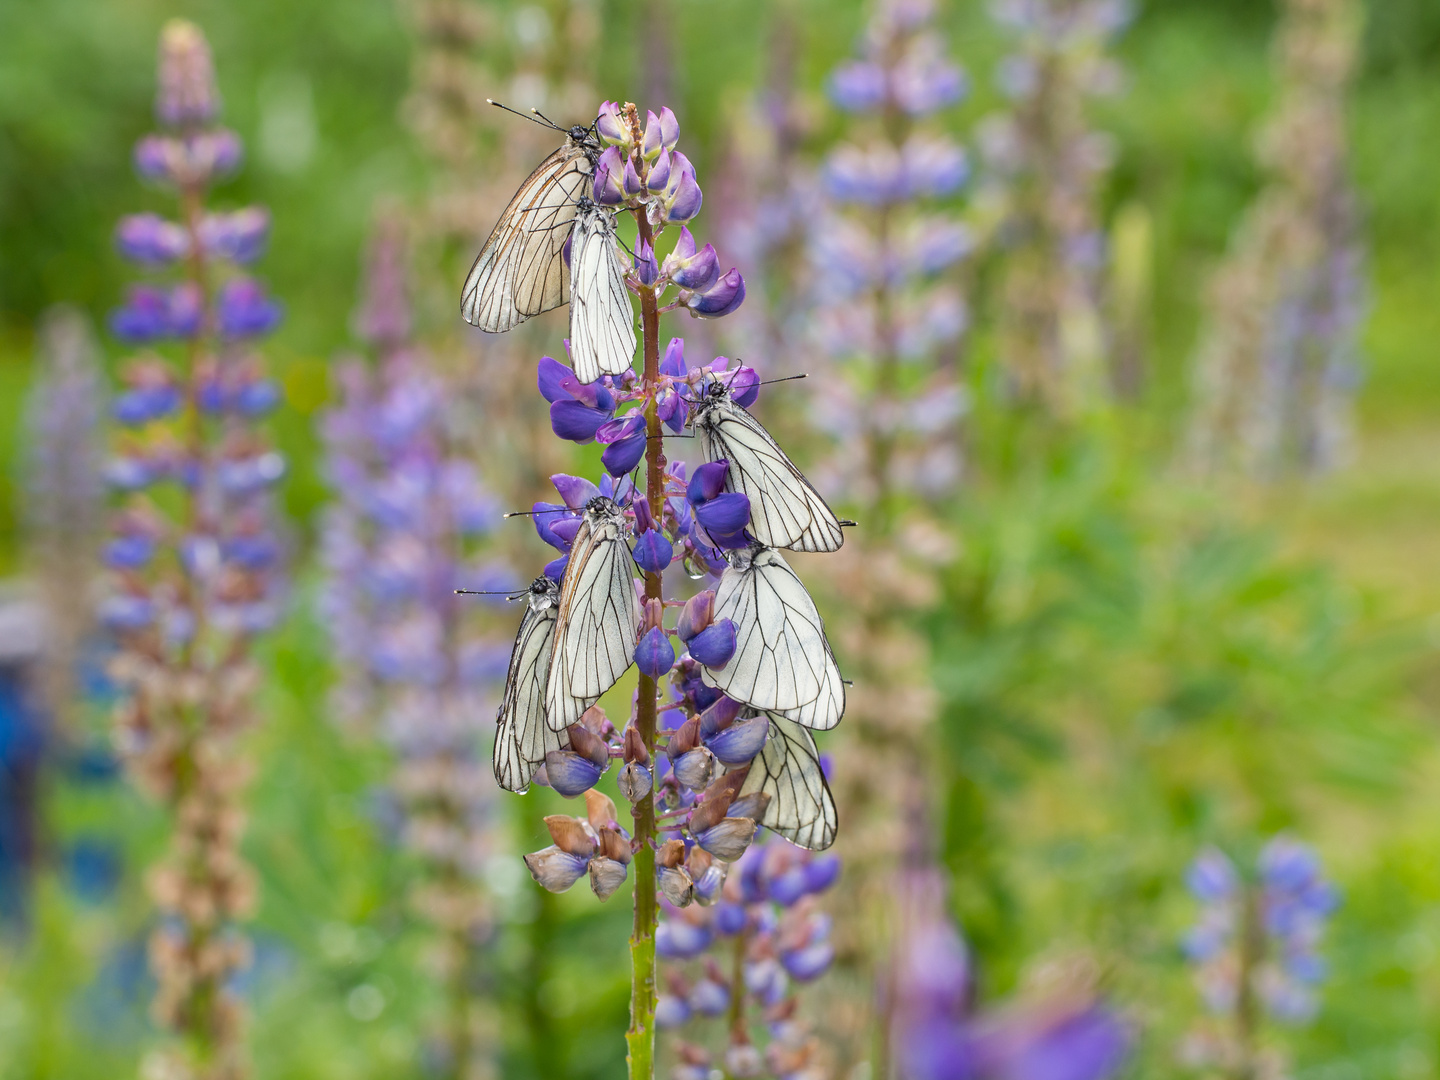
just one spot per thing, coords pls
(520, 271)
(785, 510)
(521, 736)
(782, 661)
(801, 808)
(598, 617)
(602, 322)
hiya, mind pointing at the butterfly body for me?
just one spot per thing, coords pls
(521, 737)
(782, 661)
(520, 272)
(602, 322)
(785, 510)
(597, 619)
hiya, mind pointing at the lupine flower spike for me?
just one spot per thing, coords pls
(404, 534)
(706, 768)
(1256, 953)
(1042, 167)
(65, 500)
(194, 570)
(1279, 363)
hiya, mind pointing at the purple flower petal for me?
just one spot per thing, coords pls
(570, 773)
(549, 377)
(578, 423)
(655, 655)
(575, 491)
(653, 552)
(726, 515)
(715, 645)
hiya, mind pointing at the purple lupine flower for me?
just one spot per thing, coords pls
(1041, 171)
(1259, 932)
(1280, 358)
(196, 576)
(685, 763)
(937, 1034)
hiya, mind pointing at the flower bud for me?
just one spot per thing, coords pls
(646, 268)
(635, 782)
(610, 125)
(671, 1012)
(238, 236)
(675, 886)
(589, 745)
(571, 835)
(673, 362)
(715, 645)
(570, 773)
(810, 962)
(694, 769)
(858, 86)
(635, 747)
(710, 998)
(720, 299)
(608, 189)
(719, 715)
(186, 95)
(555, 568)
(744, 386)
(643, 516)
(743, 1061)
(626, 439)
(149, 238)
(696, 615)
(685, 738)
(751, 806)
(653, 552)
(691, 269)
(728, 839)
(243, 309)
(658, 178)
(606, 875)
(683, 198)
(730, 919)
(600, 812)
(661, 133)
(655, 655)
(632, 185)
(724, 518)
(679, 939)
(554, 869)
(741, 741)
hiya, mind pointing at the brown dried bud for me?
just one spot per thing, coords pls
(571, 835)
(600, 810)
(685, 738)
(635, 747)
(676, 886)
(613, 845)
(589, 745)
(606, 875)
(671, 853)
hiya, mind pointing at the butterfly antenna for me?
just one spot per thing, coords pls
(537, 513)
(848, 522)
(491, 592)
(787, 378)
(547, 120)
(524, 116)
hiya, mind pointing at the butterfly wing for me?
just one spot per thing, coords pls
(782, 660)
(597, 622)
(602, 322)
(521, 737)
(520, 271)
(785, 510)
(801, 808)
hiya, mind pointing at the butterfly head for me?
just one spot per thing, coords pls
(742, 558)
(601, 509)
(543, 593)
(586, 139)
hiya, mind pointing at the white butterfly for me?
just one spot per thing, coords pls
(785, 511)
(521, 736)
(598, 619)
(801, 808)
(782, 662)
(520, 271)
(602, 322)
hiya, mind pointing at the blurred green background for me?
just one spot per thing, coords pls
(1131, 667)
